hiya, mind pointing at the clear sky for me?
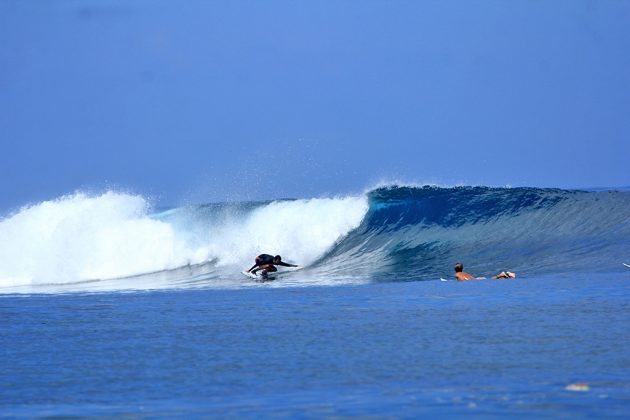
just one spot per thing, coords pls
(197, 101)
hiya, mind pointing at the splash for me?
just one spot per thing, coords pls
(78, 238)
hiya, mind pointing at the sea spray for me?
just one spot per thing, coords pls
(81, 237)
(299, 230)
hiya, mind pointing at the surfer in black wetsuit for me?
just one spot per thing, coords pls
(267, 263)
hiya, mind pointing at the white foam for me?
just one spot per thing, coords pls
(300, 230)
(81, 237)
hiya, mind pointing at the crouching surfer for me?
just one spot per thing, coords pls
(460, 275)
(267, 264)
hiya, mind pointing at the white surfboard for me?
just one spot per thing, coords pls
(259, 278)
(272, 275)
(627, 265)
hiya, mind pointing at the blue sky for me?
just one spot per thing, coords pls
(203, 101)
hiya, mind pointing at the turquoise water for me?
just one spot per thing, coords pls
(403, 349)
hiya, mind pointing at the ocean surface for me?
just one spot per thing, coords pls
(110, 307)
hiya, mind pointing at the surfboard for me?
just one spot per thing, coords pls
(257, 277)
(271, 276)
(627, 265)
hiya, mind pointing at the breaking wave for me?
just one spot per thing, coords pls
(115, 241)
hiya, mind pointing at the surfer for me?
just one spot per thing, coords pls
(267, 263)
(462, 276)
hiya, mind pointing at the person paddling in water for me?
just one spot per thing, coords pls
(267, 263)
(460, 275)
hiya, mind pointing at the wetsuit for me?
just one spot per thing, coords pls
(266, 259)
(263, 259)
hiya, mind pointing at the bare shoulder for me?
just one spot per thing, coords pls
(461, 276)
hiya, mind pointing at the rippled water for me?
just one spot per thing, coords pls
(400, 348)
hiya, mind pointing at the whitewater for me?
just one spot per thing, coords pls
(118, 241)
(80, 238)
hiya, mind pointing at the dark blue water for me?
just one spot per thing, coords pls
(419, 232)
(402, 349)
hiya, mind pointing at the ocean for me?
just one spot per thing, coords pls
(110, 307)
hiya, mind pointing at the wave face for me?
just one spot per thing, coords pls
(414, 233)
(397, 233)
